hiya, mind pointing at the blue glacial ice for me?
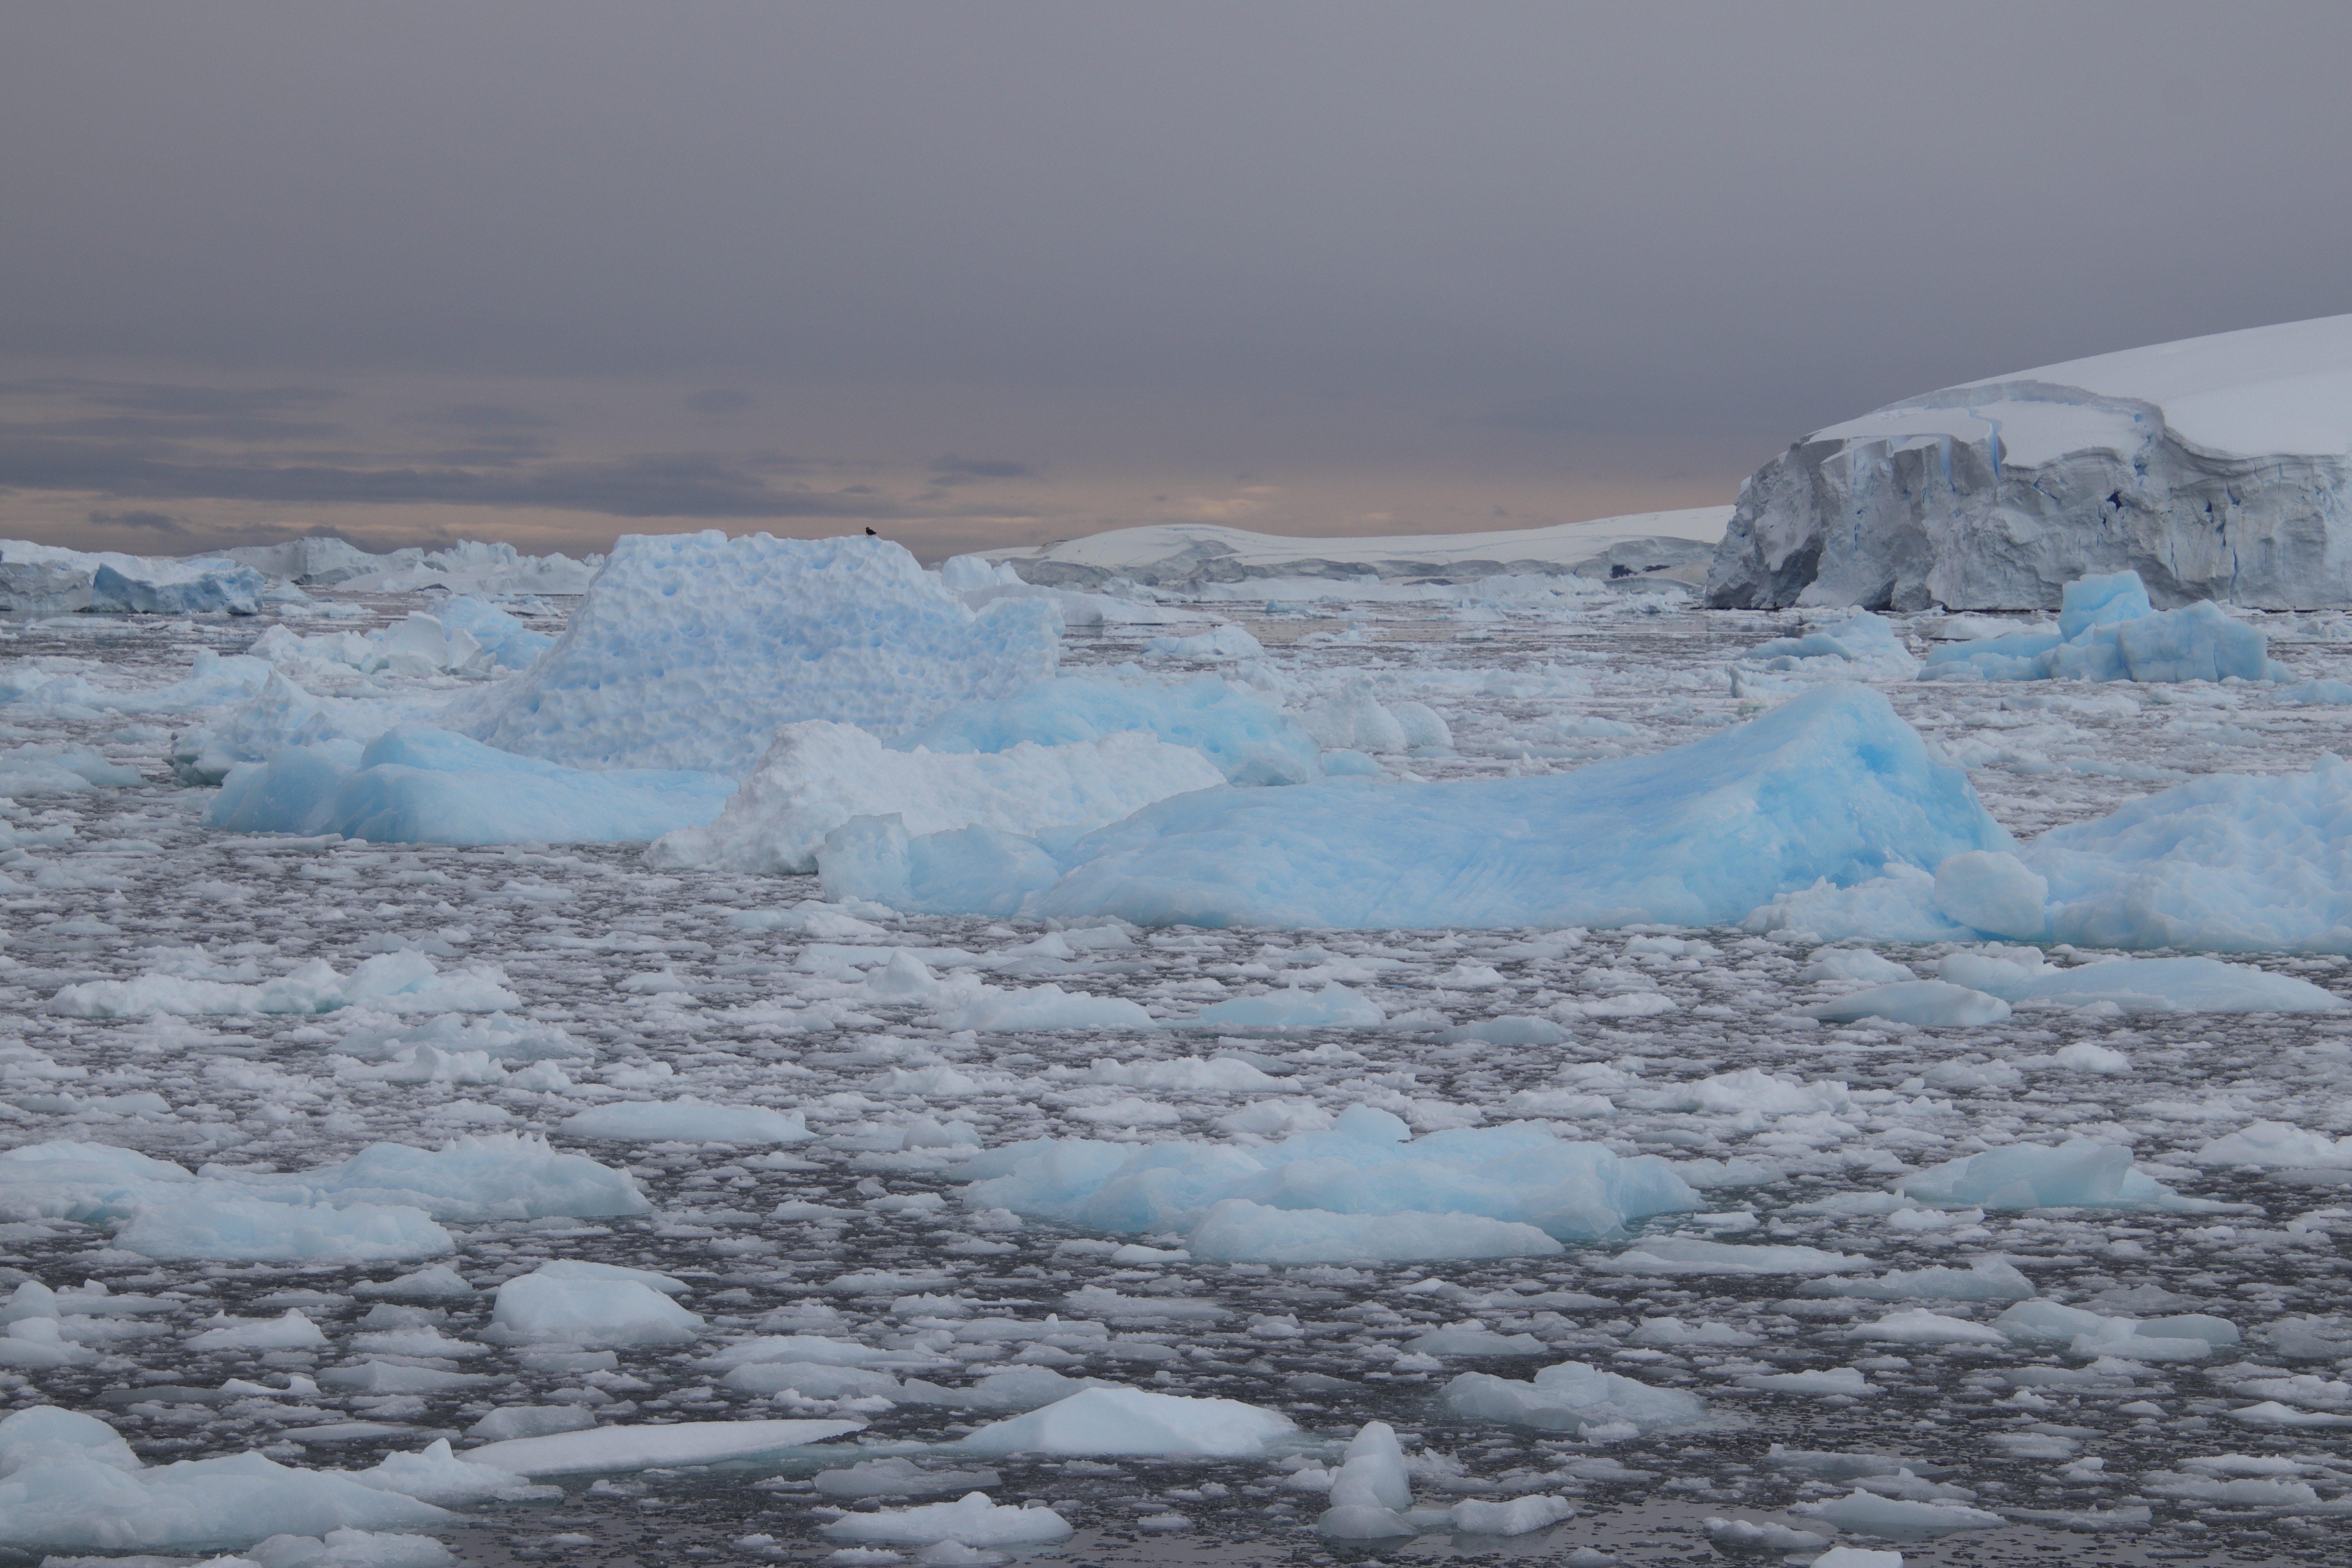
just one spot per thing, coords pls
(1250, 743)
(691, 649)
(2226, 863)
(2107, 630)
(1300, 1195)
(416, 784)
(1832, 785)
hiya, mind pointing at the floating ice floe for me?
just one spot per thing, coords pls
(591, 1305)
(1312, 1192)
(816, 775)
(1857, 644)
(971, 1521)
(1573, 1396)
(70, 1483)
(1823, 788)
(1133, 1421)
(378, 1205)
(2078, 1173)
(2191, 1336)
(1222, 642)
(2107, 630)
(691, 649)
(643, 1446)
(2275, 1145)
(387, 983)
(687, 1120)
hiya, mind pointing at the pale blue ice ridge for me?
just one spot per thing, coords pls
(414, 784)
(1833, 785)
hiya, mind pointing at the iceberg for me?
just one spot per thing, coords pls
(2109, 631)
(1133, 1421)
(972, 1521)
(2227, 863)
(70, 1483)
(1311, 1193)
(1571, 1398)
(1833, 785)
(691, 650)
(578, 1304)
(817, 775)
(256, 1231)
(417, 784)
(183, 588)
(688, 1121)
(2215, 468)
(2078, 1173)
(618, 1448)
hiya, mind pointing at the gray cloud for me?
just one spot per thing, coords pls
(153, 521)
(1445, 237)
(696, 485)
(951, 469)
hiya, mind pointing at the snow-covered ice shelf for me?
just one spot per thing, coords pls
(2216, 467)
(723, 1221)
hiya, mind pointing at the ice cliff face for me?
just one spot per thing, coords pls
(2215, 468)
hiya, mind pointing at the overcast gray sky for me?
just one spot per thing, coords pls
(1001, 271)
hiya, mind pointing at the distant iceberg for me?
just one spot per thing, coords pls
(2216, 467)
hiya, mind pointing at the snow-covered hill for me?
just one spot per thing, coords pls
(2216, 467)
(1175, 555)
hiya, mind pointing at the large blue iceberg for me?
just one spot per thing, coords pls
(1832, 785)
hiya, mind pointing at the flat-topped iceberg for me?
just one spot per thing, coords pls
(2216, 467)
(1831, 785)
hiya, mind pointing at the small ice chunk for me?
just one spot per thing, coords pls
(641, 1447)
(900, 1477)
(1867, 1513)
(1993, 892)
(970, 1520)
(1114, 1421)
(1930, 1004)
(289, 1331)
(687, 1120)
(1571, 1398)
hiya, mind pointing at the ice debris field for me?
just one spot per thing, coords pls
(754, 1051)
